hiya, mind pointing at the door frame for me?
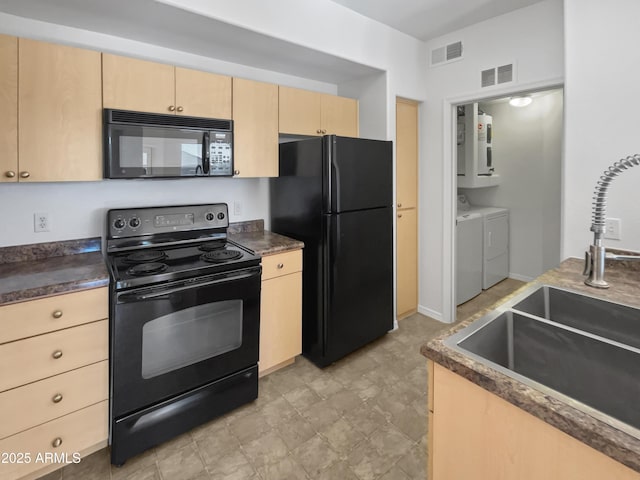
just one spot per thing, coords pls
(450, 179)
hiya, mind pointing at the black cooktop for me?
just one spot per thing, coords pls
(163, 264)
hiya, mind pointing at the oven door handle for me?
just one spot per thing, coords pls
(133, 297)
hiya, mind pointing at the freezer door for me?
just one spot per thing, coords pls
(358, 280)
(359, 174)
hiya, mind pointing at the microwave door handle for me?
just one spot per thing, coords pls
(133, 297)
(205, 153)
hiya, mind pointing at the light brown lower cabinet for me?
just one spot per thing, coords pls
(54, 382)
(407, 262)
(54, 444)
(280, 311)
(475, 434)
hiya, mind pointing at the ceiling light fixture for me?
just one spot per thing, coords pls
(521, 101)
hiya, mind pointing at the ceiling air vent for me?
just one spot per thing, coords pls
(497, 75)
(446, 54)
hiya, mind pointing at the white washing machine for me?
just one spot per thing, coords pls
(468, 256)
(495, 241)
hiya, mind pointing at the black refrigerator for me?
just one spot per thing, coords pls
(335, 194)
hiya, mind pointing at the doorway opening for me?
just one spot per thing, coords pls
(508, 168)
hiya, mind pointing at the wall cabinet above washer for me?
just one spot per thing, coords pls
(303, 112)
(140, 85)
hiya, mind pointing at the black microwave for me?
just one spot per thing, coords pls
(150, 145)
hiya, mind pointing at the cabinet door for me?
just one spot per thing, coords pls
(407, 262)
(299, 111)
(280, 320)
(339, 116)
(9, 109)
(406, 154)
(202, 94)
(60, 105)
(132, 84)
(255, 128)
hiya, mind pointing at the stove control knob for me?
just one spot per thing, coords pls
(119, 224)
(210, 217)
(134, 222)
(221, 216)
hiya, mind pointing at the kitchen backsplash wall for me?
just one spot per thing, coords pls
(78, 210)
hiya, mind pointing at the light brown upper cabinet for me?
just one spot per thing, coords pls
(143, 86)
(406, 154)
(339, 115)
(9, 108)
(303, 112)
(60, 113)
(255, 128)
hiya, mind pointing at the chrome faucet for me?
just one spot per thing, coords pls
(594, 258)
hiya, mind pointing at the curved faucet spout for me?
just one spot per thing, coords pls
(595, 256)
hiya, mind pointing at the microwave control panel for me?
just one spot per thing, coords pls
(221, 153)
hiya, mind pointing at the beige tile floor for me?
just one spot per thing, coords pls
(363, 418)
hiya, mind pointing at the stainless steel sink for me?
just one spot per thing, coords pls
(606, 319)
(576, 347)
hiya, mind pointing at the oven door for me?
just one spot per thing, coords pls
(166, 340)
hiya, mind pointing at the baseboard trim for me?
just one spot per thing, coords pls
(522, 278)
(430, 313)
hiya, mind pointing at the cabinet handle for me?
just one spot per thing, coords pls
(57, 398)
(324, 131)
(56, 442)
(236, 172)
(399, 205)
(57, 354)
(172, 108)
(180, 109)
(10, 174)
(318, 131)
(399, 215)
(280, 266)
(25, 174)
(57, 314)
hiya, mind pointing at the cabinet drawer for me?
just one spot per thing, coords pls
(281, 264)
(33, 358)
(25, 407)
(76, 431)
(26, 319)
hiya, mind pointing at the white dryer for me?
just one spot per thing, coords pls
(468, 256)
(495, 244)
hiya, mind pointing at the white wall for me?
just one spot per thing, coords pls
(77, 209)
(602, 49)
(527, 154)
(531, 37)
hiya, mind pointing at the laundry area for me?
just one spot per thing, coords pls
(509, 153)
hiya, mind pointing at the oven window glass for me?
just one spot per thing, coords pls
(190, 336)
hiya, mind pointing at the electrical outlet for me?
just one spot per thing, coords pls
(41, 222)
(612, 228)
(237, 208)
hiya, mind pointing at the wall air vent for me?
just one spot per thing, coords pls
(497, 75)
(488, 77)
(505, 73)
(446, 54)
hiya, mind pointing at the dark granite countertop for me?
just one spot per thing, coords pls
(39, 270)
(254, 237)
(604, 436)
